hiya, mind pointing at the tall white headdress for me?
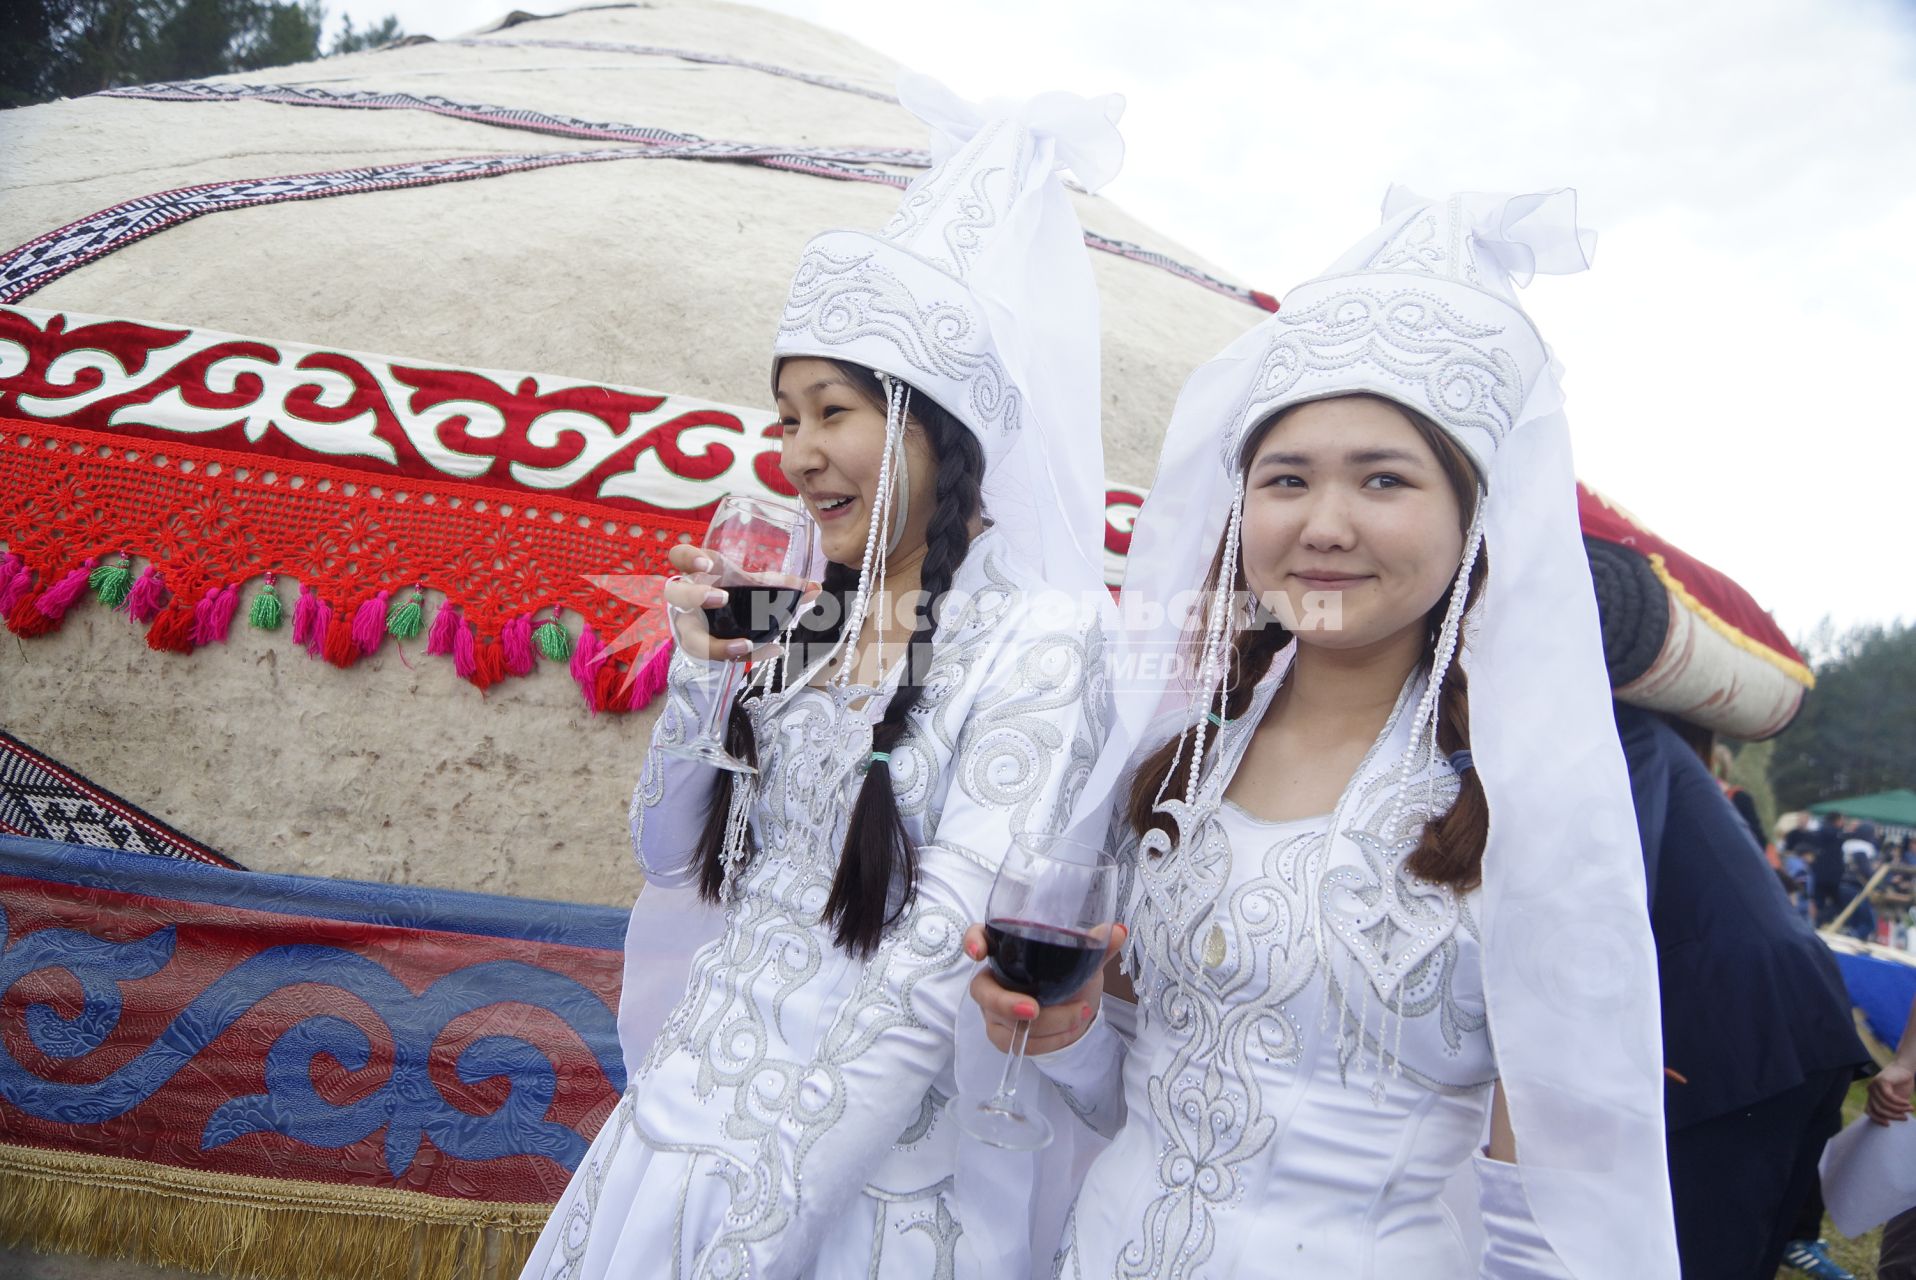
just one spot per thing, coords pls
(978, 293)
(1423, 312)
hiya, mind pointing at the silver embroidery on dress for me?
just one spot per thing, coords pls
(678, 721)
(575, 1232)
(1009, 754)
(927, 1210)
(1225, 1013)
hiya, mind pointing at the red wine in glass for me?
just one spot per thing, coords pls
(755, 611)
(761, 553)
(1047, 920)
(1042, 960)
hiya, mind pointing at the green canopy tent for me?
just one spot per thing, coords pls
(1885, 808)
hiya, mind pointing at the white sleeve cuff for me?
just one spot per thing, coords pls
(1089, 1071)
(1514, 1247)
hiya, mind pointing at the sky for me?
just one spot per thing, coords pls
(1750, 166)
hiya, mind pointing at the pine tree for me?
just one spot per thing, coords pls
(66, 48)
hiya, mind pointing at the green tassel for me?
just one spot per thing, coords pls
(112, 582)
(267, 611)
(554, 641)
(407, 620)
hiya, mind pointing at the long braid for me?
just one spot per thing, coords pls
(878, 873)
(815, 632)
(878, 868)
(1248, 661)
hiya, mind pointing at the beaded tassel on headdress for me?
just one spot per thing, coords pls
(877, 533)
(871, 586)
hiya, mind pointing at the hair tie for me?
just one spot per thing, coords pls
(881, 755)
(1217, 719)
(1461, 763)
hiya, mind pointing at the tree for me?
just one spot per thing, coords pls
(66, 48)
(1857, 730)
(383, 32)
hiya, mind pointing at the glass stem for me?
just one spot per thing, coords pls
(721, 708)
(1006, 1099)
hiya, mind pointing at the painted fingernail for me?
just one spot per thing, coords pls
(713, 599)
(971, 949)
(702, 564)
(1025, 1011)
(738, 649)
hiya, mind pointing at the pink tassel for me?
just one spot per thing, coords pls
(652, 676)
(444, 624)
(15, 581)
(220, 621)
(369, 623)
(305, 611)
(585, 656)
(148, 597)
(516, 640)
(322, 623)
(465, 657)
(203, 616)
(57, 599)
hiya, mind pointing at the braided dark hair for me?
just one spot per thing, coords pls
(878, 867)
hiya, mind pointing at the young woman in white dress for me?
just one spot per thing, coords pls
(786, 1119)
(1379, 911)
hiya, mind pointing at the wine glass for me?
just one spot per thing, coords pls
(763, 556)
(1047, 924)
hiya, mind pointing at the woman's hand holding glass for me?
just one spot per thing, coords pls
(690, 595)
(745, 584)
(1053, 1027)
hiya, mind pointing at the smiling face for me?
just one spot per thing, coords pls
(833, 444)
(1348, 496)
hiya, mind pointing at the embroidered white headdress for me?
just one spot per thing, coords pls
(979, 294)
(1423, 312)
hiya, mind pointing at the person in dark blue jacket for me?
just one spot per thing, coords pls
(1758, 1042)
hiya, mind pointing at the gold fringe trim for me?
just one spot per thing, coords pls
(1729, 630)
(255, 1228)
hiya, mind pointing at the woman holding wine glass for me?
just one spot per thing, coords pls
(1378, 912)
(840, 783)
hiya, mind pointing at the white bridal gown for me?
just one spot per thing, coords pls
(787, 1120)
(1272, 1117)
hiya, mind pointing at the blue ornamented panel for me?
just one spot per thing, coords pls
(343, 1032)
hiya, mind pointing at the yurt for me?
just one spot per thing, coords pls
(346, 411)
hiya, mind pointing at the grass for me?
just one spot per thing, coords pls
(1857, 1256)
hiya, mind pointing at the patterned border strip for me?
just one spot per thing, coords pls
(683, 55)
(842, 163)
(44, 259)
(1138, 253)
(22, 767)
(294, 95)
